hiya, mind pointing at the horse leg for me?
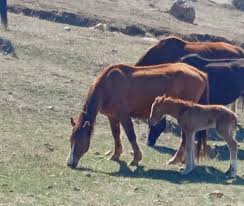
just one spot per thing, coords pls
(118, 149)
(155, 132)
(189, 152)
(201, 137)
(129, 130)
(226, 132)
(179, 155)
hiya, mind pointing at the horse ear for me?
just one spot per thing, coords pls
(72, 121)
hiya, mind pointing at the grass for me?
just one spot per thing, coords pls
(42, 89)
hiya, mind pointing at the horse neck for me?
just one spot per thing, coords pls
(176, 108)
(90, 108)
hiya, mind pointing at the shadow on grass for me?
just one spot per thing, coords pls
(164, 150)
(201, 174)
(223, 153)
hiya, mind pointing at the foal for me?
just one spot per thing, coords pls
(193, 117)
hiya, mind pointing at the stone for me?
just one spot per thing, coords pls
(183, 10)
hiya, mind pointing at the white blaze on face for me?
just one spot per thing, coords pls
(70, 160)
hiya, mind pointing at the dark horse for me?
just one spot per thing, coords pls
(3, 13)
(226, 79)
(171, 49)
(117, 93)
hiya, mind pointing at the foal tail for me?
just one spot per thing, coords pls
(3, 13)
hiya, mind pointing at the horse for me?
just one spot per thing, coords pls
(170, 50)
(122, 92)
(193, 117)
(225, 77)
(3, 14)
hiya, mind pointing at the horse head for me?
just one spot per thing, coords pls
(157, 111)
(79, 141)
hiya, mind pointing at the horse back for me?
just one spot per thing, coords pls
(214, 50)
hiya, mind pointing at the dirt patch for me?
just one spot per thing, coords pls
(55, 16)
(90, 21)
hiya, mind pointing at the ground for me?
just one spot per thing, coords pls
(42, 88)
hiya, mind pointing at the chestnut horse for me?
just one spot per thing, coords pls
(193, 117)
(3, 13)
(122, 92)
(170, 50)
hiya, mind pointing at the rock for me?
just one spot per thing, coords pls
(100, 26)
(6, 47)
(96, 153)
(49, 187)
(239, 4)
(67, 28)
(215, 194)
(50, 107)
(183, 10)
(87, 174)
(76, 189)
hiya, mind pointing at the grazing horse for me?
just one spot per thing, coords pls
(3, 13)
(193, 117)
(170, 50)
(122, 92)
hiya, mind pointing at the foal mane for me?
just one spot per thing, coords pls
(180, 101)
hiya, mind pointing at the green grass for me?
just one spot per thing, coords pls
(54, 69)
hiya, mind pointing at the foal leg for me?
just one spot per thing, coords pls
(118, 149)
(179, 155)
(227, 132)
(201, 137)
(129, 130)
(189, 152)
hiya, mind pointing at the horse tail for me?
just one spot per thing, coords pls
(3, 13)
(205, 98)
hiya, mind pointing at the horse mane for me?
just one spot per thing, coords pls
(92, 100)
(153, 50)
(172, 37)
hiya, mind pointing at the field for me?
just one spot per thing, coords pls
(42, 88)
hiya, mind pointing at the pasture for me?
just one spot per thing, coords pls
(45, 86)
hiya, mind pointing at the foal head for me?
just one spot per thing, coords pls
(79, 140)
(158, 110)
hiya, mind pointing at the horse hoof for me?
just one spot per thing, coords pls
(114, 157)
(173, 161)
(133, 163)
(231, 172)
(186, 171)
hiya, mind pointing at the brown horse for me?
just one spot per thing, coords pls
(193, 117)
(122, 92)
(170, 50)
